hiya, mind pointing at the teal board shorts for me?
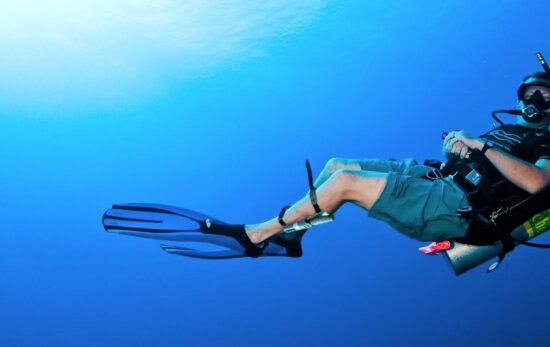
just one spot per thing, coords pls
(423, 209)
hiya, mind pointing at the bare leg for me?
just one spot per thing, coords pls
(333, 165)
(360, 187)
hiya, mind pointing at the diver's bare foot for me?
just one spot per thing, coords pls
(260, 233)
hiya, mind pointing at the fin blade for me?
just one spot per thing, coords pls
(194, 253)
(153, 218)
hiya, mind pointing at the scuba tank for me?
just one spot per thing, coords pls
(462, 257)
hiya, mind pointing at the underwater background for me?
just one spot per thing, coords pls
(214, 106)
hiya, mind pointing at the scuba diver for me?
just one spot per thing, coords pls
(489, 185)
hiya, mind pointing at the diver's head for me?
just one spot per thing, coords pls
(534, 99)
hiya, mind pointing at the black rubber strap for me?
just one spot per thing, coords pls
(487, 145)
(281, 215)
(312, 189)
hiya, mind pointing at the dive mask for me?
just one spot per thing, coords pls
(533, 109)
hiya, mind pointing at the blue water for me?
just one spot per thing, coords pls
(103, 103)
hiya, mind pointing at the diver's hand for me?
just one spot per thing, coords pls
(460, 144)
(472, 142)
(456, 150)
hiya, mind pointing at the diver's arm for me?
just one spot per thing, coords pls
(529, 177)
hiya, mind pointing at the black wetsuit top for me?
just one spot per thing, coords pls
(527, 144)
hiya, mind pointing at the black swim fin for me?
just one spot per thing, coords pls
(172, 223)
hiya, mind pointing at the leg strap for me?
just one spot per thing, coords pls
(312, 189)
(319, 217)
(281, 215)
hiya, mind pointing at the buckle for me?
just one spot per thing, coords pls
(434, 174)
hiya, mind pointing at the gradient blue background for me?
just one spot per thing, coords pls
(358, 79)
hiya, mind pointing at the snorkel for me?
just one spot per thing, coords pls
(533, 110)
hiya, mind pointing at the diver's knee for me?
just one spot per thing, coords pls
(332, 164)
(335, 164)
